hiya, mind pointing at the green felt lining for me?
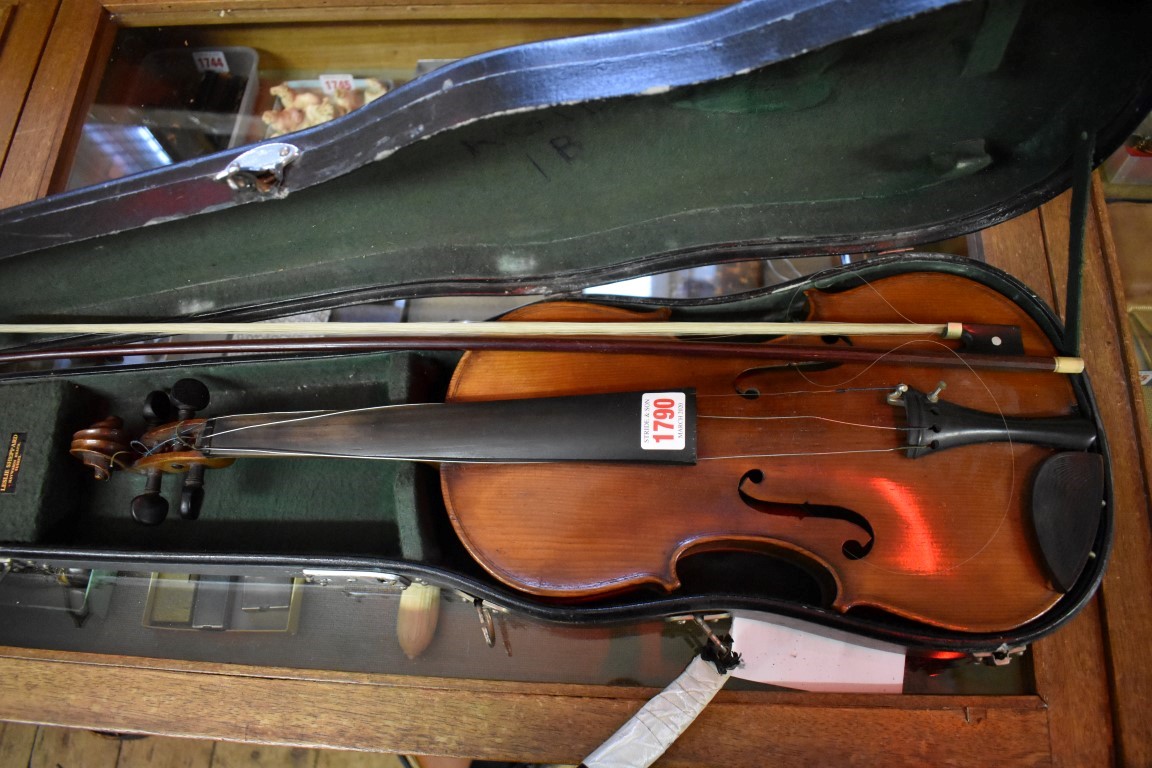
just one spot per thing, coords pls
(41, 487)
(289, 506)
(946, 123)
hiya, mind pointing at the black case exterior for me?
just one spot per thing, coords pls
(771, 127)
(765, 129)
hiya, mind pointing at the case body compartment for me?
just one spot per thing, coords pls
(299, 514)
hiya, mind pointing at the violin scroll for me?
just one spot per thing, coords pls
(103, 447)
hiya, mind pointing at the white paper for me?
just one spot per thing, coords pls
(794, 658)
(650, 732)
(332, 84)
(210, 61)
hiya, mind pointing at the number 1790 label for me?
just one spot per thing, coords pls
(663, 417)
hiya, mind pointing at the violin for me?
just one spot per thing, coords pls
(965, 497)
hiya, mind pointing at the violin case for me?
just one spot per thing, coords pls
(770, 128)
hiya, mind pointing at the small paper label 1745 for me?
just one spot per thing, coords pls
(332, 84)
(663, 418)
(13, 457)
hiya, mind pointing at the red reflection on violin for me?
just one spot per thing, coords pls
(919, 555)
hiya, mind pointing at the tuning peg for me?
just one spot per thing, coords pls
(158, 408)
(150, 508)
(192, 496)
(189, 396)
(186, 398)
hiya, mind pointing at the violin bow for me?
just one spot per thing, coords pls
(499, 328)
(596, 337)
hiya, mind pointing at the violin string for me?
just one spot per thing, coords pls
(1011, 467)
(983, 383)
(838, 391)
(883, 298)
(1011, 473)
(802, 453)
(329, 414)
(811, 418)
(880, 356)
(177, 439)
(820, 389)
(308, 415)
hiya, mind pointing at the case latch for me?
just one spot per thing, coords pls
(260, 170)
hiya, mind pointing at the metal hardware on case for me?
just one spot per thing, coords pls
(13, 565)
(487, 624)
(717, 651)
(388, 591)
(260, 171)
(492, 621)
(693, 618)
(325, 577)
(1002, 656)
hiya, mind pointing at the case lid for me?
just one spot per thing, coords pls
(768, 127)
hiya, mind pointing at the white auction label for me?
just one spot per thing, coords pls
(331, 84)
(663, 421)
(211, 61)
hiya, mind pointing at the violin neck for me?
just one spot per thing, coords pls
(577, 428)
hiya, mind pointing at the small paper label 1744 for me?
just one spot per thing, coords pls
(210, 61)
(663, 420)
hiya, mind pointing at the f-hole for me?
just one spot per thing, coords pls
(852, 549)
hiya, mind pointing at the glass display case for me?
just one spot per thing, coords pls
(170, 94)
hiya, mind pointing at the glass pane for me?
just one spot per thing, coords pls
(175, 93)
(362, 625)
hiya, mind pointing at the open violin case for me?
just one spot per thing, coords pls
(771, 128)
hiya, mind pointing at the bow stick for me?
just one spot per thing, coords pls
(497, 328)
(656, 338)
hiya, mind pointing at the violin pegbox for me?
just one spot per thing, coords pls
(168, 447)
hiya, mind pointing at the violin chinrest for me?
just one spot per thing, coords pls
(1067, 506)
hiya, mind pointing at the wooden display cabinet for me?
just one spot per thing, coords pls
(1093, 685)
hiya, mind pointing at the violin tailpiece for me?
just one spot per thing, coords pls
(936, 425)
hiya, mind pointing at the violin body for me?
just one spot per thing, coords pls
(950, 536)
